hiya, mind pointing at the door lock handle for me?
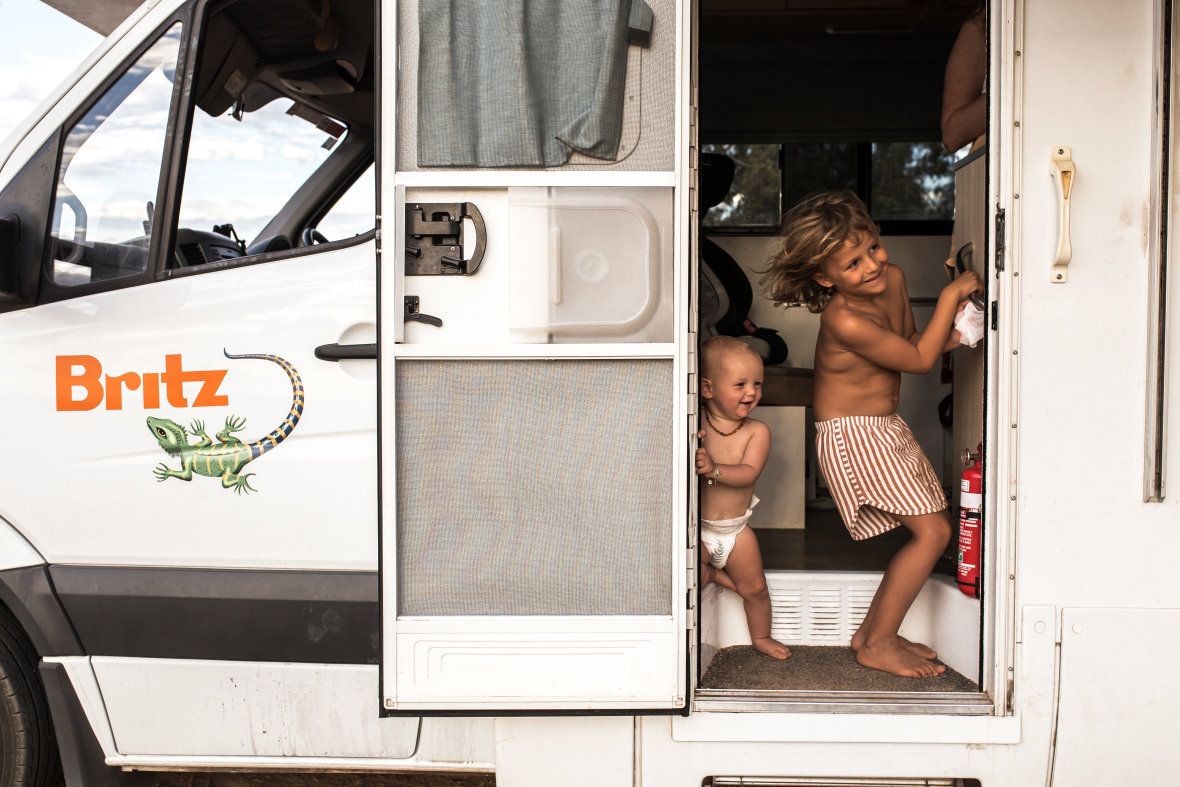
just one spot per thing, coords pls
(414, 314)
(433, 239)
(1061, 167)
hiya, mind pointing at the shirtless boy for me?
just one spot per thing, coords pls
(733, 452)
(832, 261)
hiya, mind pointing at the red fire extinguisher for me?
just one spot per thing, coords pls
(971, 522)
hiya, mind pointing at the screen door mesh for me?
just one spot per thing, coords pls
(534, 487)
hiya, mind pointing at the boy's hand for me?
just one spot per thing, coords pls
(966, 283)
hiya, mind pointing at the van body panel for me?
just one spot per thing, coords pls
(1093, 643)
(455, 744)
(1082, 347)
(17, 552)
(242, 708)
(184, 328)
(360, 541)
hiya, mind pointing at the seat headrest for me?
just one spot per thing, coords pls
(715, 179)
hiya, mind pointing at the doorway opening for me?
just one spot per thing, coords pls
(838, 95)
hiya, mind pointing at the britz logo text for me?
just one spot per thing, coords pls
(81, 385)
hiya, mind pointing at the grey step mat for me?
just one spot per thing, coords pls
(815, 668)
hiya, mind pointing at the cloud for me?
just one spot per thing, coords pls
(41, 47)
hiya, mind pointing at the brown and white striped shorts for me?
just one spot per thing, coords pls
(874, 467)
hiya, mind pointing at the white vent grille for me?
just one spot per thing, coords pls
(809, 609)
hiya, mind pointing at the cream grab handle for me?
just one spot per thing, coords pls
(1062, 169)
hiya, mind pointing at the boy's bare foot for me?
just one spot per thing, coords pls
(917, 648)
(772, 648)
(890, 656)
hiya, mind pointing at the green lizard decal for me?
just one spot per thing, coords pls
(229, 455)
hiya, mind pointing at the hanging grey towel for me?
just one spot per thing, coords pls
(523, 83)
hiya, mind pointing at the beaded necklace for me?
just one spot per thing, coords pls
(713, 426)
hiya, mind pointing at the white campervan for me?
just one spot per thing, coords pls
(348, 368)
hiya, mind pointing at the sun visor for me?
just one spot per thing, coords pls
(229, 64)
(258, 95)
(325, 78)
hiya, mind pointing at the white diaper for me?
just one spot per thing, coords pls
(718, 535)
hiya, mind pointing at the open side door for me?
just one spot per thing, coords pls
(537, 358)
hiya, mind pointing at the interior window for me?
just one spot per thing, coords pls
(753, 199)
(899, 181)
(808, 166)
(912, 181)
(109, 173)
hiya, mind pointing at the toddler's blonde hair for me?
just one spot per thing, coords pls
(713, 350)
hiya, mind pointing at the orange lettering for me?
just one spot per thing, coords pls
(115, 389)
(85, 372)
(210, 384)
(151, 391)
(88, 380)
(173, 379)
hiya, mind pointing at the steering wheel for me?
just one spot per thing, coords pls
(311, 236)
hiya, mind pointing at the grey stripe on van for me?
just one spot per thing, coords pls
(326, 617)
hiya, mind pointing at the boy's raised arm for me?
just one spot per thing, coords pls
(908, 329)
(893, 351)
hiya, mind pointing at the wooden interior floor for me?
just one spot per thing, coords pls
(824, 545)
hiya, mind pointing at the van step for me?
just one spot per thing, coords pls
(786, 781)
(828, 679)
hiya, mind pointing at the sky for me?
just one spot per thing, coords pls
(41, 47)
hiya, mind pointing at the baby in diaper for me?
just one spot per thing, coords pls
(733, 451)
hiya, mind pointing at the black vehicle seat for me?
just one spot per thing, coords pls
(733, 303)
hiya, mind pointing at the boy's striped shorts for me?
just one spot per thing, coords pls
(874, 467)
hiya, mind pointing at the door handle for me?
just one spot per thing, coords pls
(1061, 167)
(956, 265)
(343, 352)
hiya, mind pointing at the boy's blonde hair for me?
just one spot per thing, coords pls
(714, 349)
(819, 225)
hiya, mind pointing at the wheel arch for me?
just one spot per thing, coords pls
(26, 590)
(28, 595)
